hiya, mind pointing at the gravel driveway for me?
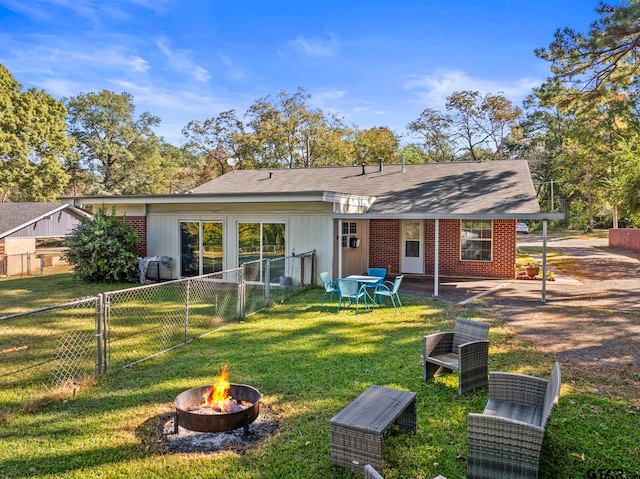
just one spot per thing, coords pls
(591, 319)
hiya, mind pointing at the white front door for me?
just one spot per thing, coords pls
(412, 244)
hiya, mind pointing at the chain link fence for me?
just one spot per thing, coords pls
(53, 347)
(64, 345)
(32, 264)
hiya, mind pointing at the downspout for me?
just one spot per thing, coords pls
(435, 259)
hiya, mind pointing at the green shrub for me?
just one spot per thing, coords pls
(103, 249)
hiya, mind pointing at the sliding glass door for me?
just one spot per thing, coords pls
(259, 241)
(200, 247)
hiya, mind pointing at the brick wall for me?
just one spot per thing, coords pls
(385, 249)
(139, 224)
(627, 238)
(384, 245)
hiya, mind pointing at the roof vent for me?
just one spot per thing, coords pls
(381, 162)
(270, 174)
(363, 172)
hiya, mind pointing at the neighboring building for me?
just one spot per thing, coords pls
(22, 224)
(448, 219)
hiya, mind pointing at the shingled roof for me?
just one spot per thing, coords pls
(496, 187)
(14, 216)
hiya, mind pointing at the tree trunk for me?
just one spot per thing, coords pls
(590, 209)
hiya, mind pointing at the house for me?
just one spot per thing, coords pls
(422, 220)
(23, 224)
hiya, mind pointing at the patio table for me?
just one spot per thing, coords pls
(356, 431)
(365, 280)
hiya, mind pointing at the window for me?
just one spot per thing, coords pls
(257, 241)
(476, 240)
(200, 247)
(412, 239)
(349, 234)
(261, 241)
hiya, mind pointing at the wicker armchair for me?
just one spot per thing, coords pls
(465, 350)
(371, 473)
(506, 439)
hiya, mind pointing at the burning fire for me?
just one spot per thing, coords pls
(218, 397)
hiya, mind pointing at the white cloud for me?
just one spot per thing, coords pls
(94, 10)
(315, 47)
(432, 90)
(181, 61)
(328, 95)
(232, 69)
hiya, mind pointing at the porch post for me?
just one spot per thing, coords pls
(339, 248)
(544, 261)
(435, 259)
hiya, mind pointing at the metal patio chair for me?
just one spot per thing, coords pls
(350, 290)
(380, 273)
(329, 286)
(389, 290)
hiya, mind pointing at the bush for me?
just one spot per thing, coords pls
(103, 249)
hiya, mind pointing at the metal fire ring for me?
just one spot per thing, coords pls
(216, 422)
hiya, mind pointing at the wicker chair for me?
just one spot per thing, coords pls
(465, 350)
(371, 473)
(506, 439)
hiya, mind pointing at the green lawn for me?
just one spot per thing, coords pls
(309, 362)
(26, 293)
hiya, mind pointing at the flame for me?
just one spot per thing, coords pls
(218, 397)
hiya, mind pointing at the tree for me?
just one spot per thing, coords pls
(607, 58)
(374, 144)
(435, 129)
(214, 141)
(117, 153)
(482, 124)
(33, 142)
(289, 133)
(103, 249)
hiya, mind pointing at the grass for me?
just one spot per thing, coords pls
(309, 362)
(26, 293)
(563, 262)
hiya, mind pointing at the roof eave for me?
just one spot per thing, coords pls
(453, 216)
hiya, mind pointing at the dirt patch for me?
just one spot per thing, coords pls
(162, 434)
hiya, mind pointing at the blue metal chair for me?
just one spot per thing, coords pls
(329, 286)
(389, 290)
(380, 273)
(349, 290)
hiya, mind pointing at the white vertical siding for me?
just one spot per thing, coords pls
(305, 230)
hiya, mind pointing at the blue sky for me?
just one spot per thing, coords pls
(372, 63)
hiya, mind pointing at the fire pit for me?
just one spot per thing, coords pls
(219, 407)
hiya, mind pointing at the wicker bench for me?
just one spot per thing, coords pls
(506, 439)
(356, 431)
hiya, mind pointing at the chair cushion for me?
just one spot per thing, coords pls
(510, 410)
(448, 360)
